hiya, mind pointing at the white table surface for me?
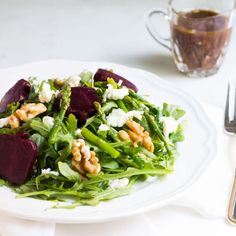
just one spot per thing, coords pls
(99, 30)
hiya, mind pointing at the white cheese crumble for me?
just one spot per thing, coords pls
(3, 122)
(80, 142)
(136, 114)
(35, 83)
(103, 127)
(49, 121)
(120, 82)
(115, 94)
(117, 118)
(45, 94)
(74, 81)
(86, 151)
(118, 183)
(78, 132)
(49, 171)
(170, 125)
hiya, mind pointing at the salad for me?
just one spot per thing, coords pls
(84, 139)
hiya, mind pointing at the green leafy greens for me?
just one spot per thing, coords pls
(54, 177)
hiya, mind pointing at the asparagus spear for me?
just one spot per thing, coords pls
(65, 102)
(106, 147)
(157, 130)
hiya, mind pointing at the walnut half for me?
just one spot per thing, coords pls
(137, 134)
(25, 113)
(84, 161)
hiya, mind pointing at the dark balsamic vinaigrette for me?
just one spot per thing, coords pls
(200, 36)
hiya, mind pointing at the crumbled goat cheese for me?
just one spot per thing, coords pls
(74, 81)
(115, 94)
(45, 94)
(78, 132)
(103, 127)
(35, 83)
(118, 183)
(49, 171)
(80, 142)
(136, 114)
(3, 122)
(86, 151)
(87, 74)
(170, 125)
(120, 82)
(49, 121)
(117, 118)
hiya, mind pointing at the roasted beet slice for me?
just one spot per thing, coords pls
(17, 157)
(102, 75)
(18, 93)
(82, 102)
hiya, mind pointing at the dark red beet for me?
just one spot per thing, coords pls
(17, 157)
(18, 93)
(82, 102)
(102, 75)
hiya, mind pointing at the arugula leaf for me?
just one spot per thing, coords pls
(178, 135)
(108, 106)
(37, 125)
(86, 76)
(71, 124)
(11, 108)
(66, 171)
(2, 182)
(111, 164)
(38, 140)
(52, 86)
(172, 110)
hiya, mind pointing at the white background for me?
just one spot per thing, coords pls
(105, 30)
(98, 30)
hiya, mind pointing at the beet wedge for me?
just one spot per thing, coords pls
(18, 93)
(102, 75)
(82, 103)
(17, 157)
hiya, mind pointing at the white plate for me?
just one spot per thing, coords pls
(195, 153)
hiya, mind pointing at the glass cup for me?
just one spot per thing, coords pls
(200, 33)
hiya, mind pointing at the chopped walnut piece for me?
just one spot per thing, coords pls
(123, 135)
(13, 121)
(137, 134)
(92, 165)
(84, 161)
(30, 110)
(148, 144)
(25, 113)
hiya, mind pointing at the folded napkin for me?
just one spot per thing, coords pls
(210, 195)
(203, 208)
(10, 226)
